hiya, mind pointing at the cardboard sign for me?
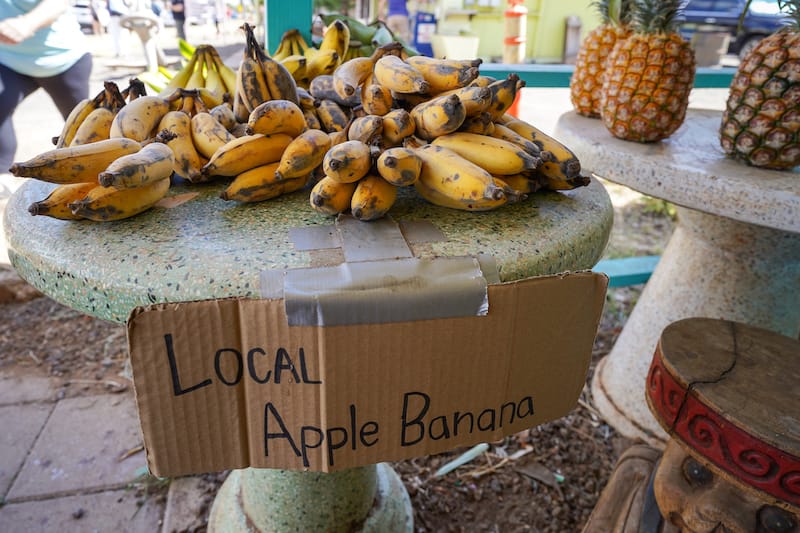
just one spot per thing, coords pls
(227, 384)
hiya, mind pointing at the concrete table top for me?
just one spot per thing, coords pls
(207, 248)
(688, 169)
(734, 254)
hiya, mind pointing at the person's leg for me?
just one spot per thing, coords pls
(69, 87)
(14, 87)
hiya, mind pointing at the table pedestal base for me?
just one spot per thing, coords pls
(365, 499)
(712, 267)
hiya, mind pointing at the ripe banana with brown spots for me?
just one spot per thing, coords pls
(259, 184)
(154, 162)
(399, 166)
(331, 197)
(351, 74)
(372, 198)
(559, 162)
(187, 160)
(104, 204)
(367, 129)
(138, 120)
(376, 99)
(347, 162)
(56, 204)
(331, 115)
(438, 116)
(209, 134)
(74, 164)
(453, 176)
(397, 125)
(277, 116)
(303, 154)
(495, 155)
(445, 74)
(246, 152)
(397, 75)
(503, 94)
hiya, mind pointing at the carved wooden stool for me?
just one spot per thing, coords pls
(728, 394)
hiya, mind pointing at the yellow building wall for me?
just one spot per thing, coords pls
(546, 23)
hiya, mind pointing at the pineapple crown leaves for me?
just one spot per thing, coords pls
(790, 7)
(656, 16)
(614, 12)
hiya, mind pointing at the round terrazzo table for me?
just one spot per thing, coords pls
(206, 248)
(734, 255)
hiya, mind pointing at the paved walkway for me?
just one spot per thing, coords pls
(76, 464)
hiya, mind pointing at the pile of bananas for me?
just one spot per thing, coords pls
(353, 136)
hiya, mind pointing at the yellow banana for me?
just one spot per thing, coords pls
(321, 88)
(210, 98)
(397, 125)
(224, 115)
(277, 116)
(74, 164)
(284, 49)
(312, 120)
(336, 37)
(447, 172)
(303, 154)
(243, 153)
(252, 83)
(95, 127)
(76, 118)
(227, 74)
(280, 82)
(409, 100)
(259, 184)
(445, 74)
(367, 129)
(501, 131)
(397, 75)
(320, 62)
(476, 100)
(438, 116)
(208, 134)
(187, 160)
(337, 137)
(480, 123)
(503, 94)
(104, 204)
(557, 184)
(331, 197)
(197, 78)
(296, 66)
(139, 119)
(436, 197)
(299, 44)
(524, 183)
(559, 162)
(154, 162)
(240, 111)
(399, 166)
(376, 99)
(213, 82)
(56, 204)
(305, 100)
(373, 198)
(494, 155)
(347, 162)
(181, 78)
(482, 81)
(351, 74)
(331, 115)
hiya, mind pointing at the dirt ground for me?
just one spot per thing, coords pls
(546, 479)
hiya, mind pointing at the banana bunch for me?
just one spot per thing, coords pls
(366, 38)
(306, 62)
(260, 78)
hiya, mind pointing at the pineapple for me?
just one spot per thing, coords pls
(648, 75)
(761, 121)
(587, 79)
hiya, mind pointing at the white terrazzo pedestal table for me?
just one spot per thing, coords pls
(207, 248)
(734, 255)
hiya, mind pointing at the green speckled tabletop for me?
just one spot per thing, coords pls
(208, 248)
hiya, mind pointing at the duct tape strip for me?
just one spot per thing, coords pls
(371, 292)
(380, 280)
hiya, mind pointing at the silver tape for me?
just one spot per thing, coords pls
(373, 292)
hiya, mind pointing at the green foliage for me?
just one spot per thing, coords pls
(657, 206)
